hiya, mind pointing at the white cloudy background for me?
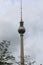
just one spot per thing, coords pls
(33, 21)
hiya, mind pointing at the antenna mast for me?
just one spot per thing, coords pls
(21, 10)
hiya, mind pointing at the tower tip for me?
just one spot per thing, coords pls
(21, 10)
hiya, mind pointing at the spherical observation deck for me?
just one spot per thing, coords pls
(21, 29)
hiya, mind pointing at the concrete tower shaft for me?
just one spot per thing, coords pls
(21, 31)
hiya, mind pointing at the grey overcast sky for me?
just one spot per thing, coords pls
(33, 22)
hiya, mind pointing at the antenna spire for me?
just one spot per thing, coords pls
(21, 10)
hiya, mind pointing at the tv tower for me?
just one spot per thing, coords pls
(21, 31)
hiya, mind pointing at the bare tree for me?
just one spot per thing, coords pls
(29, 60)
(4, 52)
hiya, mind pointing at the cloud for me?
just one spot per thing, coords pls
(8, 20)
